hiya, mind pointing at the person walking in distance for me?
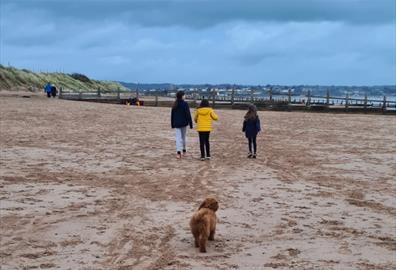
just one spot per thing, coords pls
(180, 119)
(204, 116)
(47, 89)
(251, 127)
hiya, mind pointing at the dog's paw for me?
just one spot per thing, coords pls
(202, 249)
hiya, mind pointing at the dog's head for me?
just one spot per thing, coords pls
(210, 203)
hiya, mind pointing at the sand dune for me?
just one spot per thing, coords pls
(97, 186)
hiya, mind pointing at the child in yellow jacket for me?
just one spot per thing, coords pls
(204, 116)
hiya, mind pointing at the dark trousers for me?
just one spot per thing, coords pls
(252, 144)
(49, 94)
(204, 143)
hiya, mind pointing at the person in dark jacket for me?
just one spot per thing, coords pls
(180, 119)
(251, 127)
(53, 91)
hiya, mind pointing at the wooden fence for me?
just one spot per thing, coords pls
(272, 102)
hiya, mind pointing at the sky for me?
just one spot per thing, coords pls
(290, 42)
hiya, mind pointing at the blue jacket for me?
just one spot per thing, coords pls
(181, 116)
(251, 127)
(47, 88)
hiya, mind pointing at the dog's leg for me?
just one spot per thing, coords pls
(212, 231)
(202, 243)
(196, 241)
(211, 235)
(196, 237)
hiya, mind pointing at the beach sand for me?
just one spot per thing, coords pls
(97, 186)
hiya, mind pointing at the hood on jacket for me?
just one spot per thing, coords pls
(204, 110)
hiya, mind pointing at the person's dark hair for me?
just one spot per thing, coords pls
(204, 103)
(179, 96)
(251, 113)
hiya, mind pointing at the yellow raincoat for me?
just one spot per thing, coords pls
(204, 117)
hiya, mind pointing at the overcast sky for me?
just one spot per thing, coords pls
(330, 42)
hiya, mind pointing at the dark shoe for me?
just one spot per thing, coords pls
(254, 156)
(250, 155)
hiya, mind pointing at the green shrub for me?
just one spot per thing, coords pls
(80, 77)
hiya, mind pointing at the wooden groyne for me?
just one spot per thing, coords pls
(309, 103)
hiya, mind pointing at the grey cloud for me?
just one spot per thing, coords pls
(319, 42)
(205, 13)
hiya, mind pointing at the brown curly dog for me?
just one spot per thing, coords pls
(203, 223)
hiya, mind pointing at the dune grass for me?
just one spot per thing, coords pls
(22, 79)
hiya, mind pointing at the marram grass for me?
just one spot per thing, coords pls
(22, 79)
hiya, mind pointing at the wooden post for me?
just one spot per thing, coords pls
(213, 97)
(289, 96)
(156, 99)
(384, 104)
(195, 99)
(232, 95)
(365, 102)
(99, 92)
(118, 93)
(270, 94)
(61, 92)
(328, 97)
(346, 101)
(80, 95)
(309, 98)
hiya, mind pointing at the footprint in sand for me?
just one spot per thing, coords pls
(293, 252)
(344, 248)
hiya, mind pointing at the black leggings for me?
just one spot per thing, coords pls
(252, 142)
(204, 143)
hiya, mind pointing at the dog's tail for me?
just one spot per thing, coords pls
(203, 231)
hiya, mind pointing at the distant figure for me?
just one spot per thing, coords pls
(251, 127)
(180, 119)
(47, 89)
(53, 91)
(134, 101)
(204, 116)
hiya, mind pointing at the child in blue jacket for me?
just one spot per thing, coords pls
(251, 127)
(47, 89)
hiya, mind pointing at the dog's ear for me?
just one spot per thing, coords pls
(203, 205)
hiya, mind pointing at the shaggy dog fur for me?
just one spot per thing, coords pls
(203, 223)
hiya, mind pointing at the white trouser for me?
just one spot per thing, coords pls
(181, 139)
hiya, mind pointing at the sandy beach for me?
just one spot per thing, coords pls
(97, 186)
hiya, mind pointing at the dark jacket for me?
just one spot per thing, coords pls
(181, 115)
(251, 127)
